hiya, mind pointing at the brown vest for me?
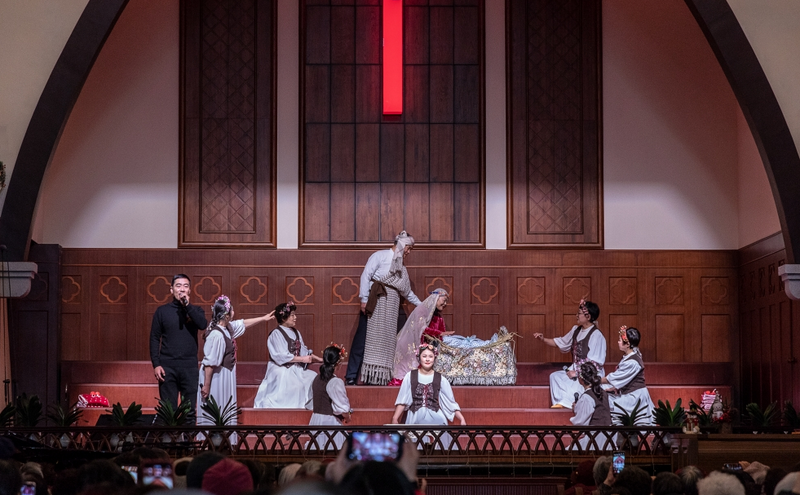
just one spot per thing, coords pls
(602, 409)
(322, 401)
(425, 395)
(638, 380)
(229, 358)
(580, 349)
(292, 344)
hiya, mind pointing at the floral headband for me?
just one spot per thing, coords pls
(583, 309)
(429, 347)
(225, 302)
(342, 351)
(623, 334)
(287, 310)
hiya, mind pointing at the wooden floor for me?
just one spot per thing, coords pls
(526, 403)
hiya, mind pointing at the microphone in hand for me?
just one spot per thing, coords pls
(577, 396)
(184, 300)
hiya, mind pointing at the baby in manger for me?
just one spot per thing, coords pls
(424, 323)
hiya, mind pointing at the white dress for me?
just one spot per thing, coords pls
(563, 388)
(627, 369)
(424, 416)
(223, 380)
(282, 387)
(340, 405)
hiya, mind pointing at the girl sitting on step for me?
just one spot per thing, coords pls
(627, 381)
(592, 407)
(330, 405)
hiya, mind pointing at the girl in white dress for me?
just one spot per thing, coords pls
(331, 406)
(591, 408)
(287, 383)
(627, 381)
(426, 395)
(218, 368)
(587, 344)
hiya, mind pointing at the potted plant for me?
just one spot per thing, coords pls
(28, 412)
(7, 415)
(666, 415)
(220, 416)
(790, 416)
(124, 419)
(167, 415)
(631, 419)
(703, 418)
(64, 418)
(762, 419)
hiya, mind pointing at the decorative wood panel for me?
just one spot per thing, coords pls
(527, 291)
(366, 176)
(227, 193)
(769, 324)
(553, 75)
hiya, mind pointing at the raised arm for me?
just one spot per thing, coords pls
(249, 322)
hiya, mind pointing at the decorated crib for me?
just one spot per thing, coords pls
(491, 364)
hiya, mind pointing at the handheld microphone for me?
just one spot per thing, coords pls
(184, 301)
(577, 396)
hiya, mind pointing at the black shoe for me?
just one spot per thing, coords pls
(350, 381)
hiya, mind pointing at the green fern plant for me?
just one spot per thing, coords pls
(7, 415)
(168, 415)
(666, 415)
(790, 416)
(758, 418)
(64, 417)
(220, 416)
(703, 418)
(28, 411)
(630, 418)
(126, 418)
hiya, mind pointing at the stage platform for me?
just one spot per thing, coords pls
(526, 403)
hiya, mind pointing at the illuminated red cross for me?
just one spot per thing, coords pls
(393, 57)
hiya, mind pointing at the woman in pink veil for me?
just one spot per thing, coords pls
(424, 316)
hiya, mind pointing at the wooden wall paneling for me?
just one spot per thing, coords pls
(368, 89)
(441, 153)
(343, 30)
(227, 121)
(553, 100)
(417, 153)
(392, 220)
(343, 155)
(343, 211)
(417, 210)
(441, 35)
(342, 86)
(416, 35)
(441, 211)
(368, 212)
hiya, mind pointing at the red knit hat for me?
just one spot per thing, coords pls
(227, 477)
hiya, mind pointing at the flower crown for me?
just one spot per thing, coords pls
(342, 351)
(623, 334)
(287, 310)
(429, 347)
(226, 302)
(582, 307)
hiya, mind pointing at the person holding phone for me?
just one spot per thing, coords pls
(586, 343)
(218, 369)
(331, 405)
(287, 383)
(627, 381)
(426, 394)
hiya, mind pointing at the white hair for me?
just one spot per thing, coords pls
(787, 483)
(719, 483)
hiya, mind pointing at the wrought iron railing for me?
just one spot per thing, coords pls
(447, 445)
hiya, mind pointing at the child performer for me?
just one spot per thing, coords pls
(587, 343)
(218, 369)
(287, 383)
(331, 406)
(592, 407)
(426, 394)
(628, 379)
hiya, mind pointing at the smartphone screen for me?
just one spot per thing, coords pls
(28, 488)
(618, 462)
(156, 472)
(732, 466)
(366, 446)
(132, 470)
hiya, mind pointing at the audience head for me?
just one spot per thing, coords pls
(227, 477)
(635, 479)
(288, 473)
(373, 477)
(787, 483)
(311, 469)
(774, 475)
(10, 479)
(283, 311)
(719, 483)
(667, 484)
(311, 487)
(600, 470)
(103, 472)
(689, 476)
(198, 467)
(583, 474)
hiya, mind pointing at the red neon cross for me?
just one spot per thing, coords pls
(393, 57)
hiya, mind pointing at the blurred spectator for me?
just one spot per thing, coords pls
(198, 467)
(601, 467)
(667, 484)
(288, 473)
(719, 483)
(227, 477)
(774, 475)
(374, 477)
(311, 487)
(10, 479)
(635, 479)
(582, 478)
(311, 469)
(103, 471)
(788, 484)
(689, 476)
